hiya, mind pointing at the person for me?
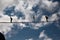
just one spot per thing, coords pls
(10, 19)
(46, 18)
(34, 18)
(2, 36)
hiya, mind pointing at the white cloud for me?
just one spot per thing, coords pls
(44, 36)
(4, 18)
(21, 6)
(58, 18)
(5, 27)
(49, 5)
(54, 17)
(29, 39)
(43, 18)
(5, 3)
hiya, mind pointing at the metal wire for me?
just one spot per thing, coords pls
(26, 22)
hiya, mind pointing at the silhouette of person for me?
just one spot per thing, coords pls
(10, 19)
(34, 18)
(46, 18)
(2, 36)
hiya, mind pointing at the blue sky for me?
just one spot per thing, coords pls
(51, 31)
(23, 11)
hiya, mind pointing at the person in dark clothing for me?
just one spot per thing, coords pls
(11, 19)
(2, 36)
(34, 18)
(46, 18)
